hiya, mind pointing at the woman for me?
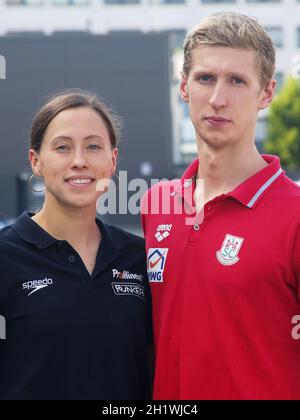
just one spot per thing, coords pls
(73, 290)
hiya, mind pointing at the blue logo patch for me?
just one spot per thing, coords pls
(156, 262)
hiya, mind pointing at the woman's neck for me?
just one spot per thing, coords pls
(77, 226)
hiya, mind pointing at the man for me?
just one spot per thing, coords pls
(224, 258)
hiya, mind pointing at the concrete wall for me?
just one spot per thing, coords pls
(130, 71)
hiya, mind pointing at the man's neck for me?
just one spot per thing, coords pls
(224, 169)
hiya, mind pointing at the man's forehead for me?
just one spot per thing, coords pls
(225, 59)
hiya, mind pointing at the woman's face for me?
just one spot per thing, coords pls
(75, 155)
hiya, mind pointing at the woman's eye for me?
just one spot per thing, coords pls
(94, 147)
(62, 147)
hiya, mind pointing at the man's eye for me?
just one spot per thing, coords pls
(205, 78)
(237, 81)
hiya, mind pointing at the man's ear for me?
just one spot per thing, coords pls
(184, 88)
(35, 162)
(267, 95)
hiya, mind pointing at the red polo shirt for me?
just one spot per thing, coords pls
(225, 290)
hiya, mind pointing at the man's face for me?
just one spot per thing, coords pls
(224, 94)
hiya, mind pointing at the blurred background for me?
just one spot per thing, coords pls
(129, 52)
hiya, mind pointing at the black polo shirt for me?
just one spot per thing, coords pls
(69, 334)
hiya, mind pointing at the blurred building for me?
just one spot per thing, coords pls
(39, 39)
(131, 74)
(280, 17)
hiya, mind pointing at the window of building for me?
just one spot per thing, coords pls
(70, 2)
(218, 1)
(263, 1)
(261, 130)
(167, 1)
(121, 1)
(279, 77)
(24, 2)
(276, 33)
(177, 40)
(25, 33)
(183, 133)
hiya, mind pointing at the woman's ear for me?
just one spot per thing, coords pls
(35, 162)
(114, 161)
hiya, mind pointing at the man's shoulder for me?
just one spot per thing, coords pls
(160, 192)
(284, 202)
(289, 190)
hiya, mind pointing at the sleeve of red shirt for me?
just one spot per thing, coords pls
(145, 210)
(296, 255)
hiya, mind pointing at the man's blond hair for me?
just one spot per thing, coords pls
(233, 30)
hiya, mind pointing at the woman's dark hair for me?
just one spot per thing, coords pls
(74, 98)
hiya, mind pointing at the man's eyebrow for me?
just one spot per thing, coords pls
(213, 72)
(237, 74)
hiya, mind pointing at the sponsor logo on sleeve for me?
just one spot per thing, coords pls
(156, 261)
(162, 232)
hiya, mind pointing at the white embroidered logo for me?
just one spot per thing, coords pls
(165, 229)
(35, 285)
(126, 275)
(228, 254)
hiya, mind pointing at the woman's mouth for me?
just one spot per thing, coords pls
(80, 182)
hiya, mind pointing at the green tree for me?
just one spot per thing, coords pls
(283, 127)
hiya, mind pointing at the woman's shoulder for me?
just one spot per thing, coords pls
(131, 252)
(122, 236)
(8, 236)
(10, 248)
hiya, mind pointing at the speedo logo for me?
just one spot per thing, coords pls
(35, 285)
(126, 275)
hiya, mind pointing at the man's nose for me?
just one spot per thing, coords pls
(218, 97)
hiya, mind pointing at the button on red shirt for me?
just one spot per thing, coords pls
(225, 288)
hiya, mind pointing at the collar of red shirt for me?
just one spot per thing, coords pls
(250, 191)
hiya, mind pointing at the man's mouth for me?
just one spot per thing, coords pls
(214, 121)
(217, 119)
